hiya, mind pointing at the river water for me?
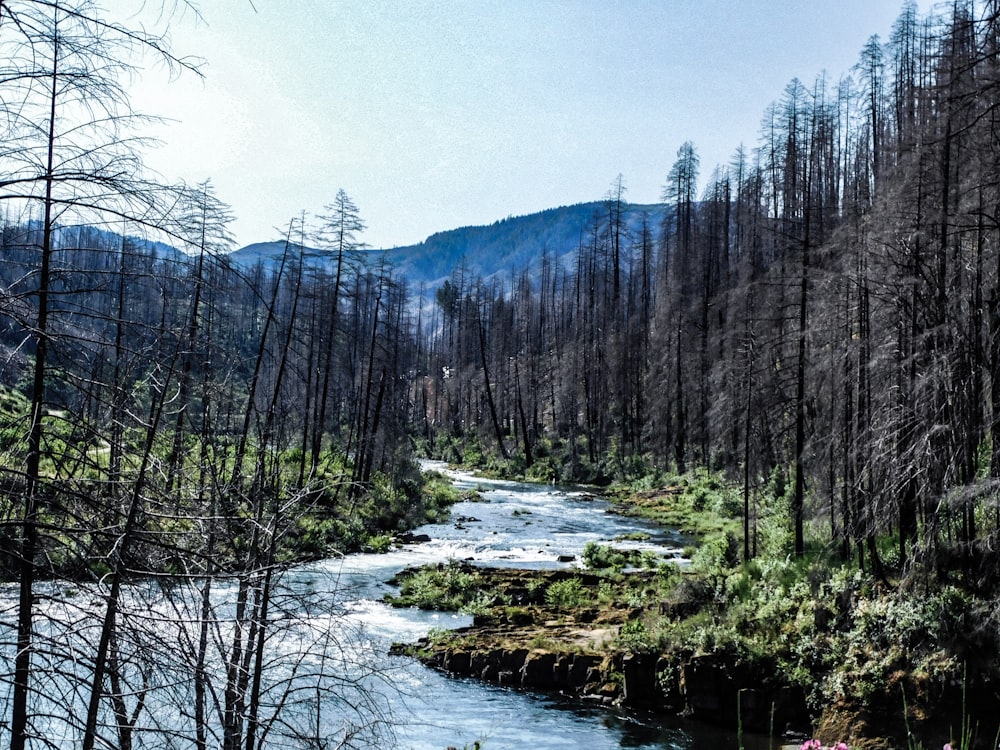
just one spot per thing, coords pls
(520, 525)
(328, 671)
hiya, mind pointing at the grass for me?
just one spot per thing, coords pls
(700, 505)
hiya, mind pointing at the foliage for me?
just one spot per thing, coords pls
(607, 557)
(481, 603)
(447, 587)
(717, 553)
(566, 594)
(634, 637)
(439, 492)
(378, 543)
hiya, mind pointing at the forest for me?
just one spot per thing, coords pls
(825, 314)
(170, 419)
(818, 321)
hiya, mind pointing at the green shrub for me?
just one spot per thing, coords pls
(635, 637)
(480, 604)
(605, 557)
(534, 587)
(312, 536)
(438, 493)
(566, 594)
(444, 587)
(606, 593)
(378, 543)
(717, 554)
(602, 557)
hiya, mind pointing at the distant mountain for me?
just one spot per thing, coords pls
(511, 244)
(270, 253)
(75, 237)
(506, 246)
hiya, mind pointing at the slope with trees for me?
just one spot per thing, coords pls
(153, 424)
(844, 269)
(819, 324)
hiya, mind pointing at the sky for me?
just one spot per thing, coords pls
(433, 115)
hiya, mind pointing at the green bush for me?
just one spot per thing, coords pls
(717, 554)
(566, 594)
(378, 543)
(480, 604)
(443, 587)
(312, 536)
(605, 557)
(635, 637)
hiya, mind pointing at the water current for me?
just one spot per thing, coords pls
(521, 525)
(327, 661)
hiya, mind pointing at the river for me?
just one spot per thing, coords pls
(329, 678)
(520, 525)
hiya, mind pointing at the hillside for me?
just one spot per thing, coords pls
(507, 245)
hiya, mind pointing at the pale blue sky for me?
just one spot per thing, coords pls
(434, 115)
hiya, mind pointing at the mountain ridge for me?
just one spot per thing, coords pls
(507, 245)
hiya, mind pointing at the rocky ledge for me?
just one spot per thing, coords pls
(529, 640)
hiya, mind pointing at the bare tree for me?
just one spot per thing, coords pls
(67, 155)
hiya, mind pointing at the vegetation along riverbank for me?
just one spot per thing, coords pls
(810, 645)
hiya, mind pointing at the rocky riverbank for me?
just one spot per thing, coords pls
(814, 644)
(560, 631)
